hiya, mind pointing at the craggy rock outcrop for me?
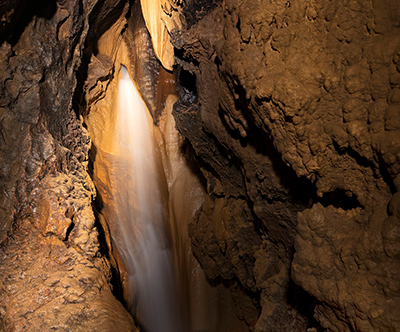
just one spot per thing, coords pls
(293, 107)
(52, 274)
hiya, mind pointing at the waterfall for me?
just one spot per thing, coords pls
(141, 234)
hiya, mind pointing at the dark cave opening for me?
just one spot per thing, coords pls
(305, 304)
(340, 199)
(69, 231)
(187, 86)
(22, 15)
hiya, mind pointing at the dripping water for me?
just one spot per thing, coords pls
(141, 233)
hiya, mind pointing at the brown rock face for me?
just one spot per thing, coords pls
(52, 275)
(315, 85)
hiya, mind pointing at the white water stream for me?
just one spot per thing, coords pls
(141, 230)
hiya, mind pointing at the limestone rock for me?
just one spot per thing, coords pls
(52, 275)
(285, 104)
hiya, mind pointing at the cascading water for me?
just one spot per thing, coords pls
(141, 233)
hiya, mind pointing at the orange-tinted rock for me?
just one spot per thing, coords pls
(52, 273)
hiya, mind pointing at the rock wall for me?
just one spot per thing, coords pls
(291, 108)
(52, 273)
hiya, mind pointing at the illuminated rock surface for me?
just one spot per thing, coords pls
(288, 111)
(52, 274)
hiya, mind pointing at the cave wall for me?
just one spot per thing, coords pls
(292, 110)
(52, 273)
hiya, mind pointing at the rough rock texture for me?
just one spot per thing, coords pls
(163, 16)
(292, 110)
(293, 106)
(205, 306)
(52, 275)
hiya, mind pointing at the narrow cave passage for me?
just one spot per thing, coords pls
(142, 227)
(147, 189)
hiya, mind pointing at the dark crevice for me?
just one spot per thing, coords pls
(288, 119)
(301, 191)
(187, 86)
(304, 304)
(69, 231)
(339, 150)
(340, 199)
(25, 11)
(92, 160)
(78, 100)
(362, 161)
(183, 57)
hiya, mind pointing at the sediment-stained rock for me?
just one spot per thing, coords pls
(241, 172)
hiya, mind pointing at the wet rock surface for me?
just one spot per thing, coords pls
(291, 107)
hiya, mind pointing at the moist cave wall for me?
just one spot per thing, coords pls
(287, 111)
